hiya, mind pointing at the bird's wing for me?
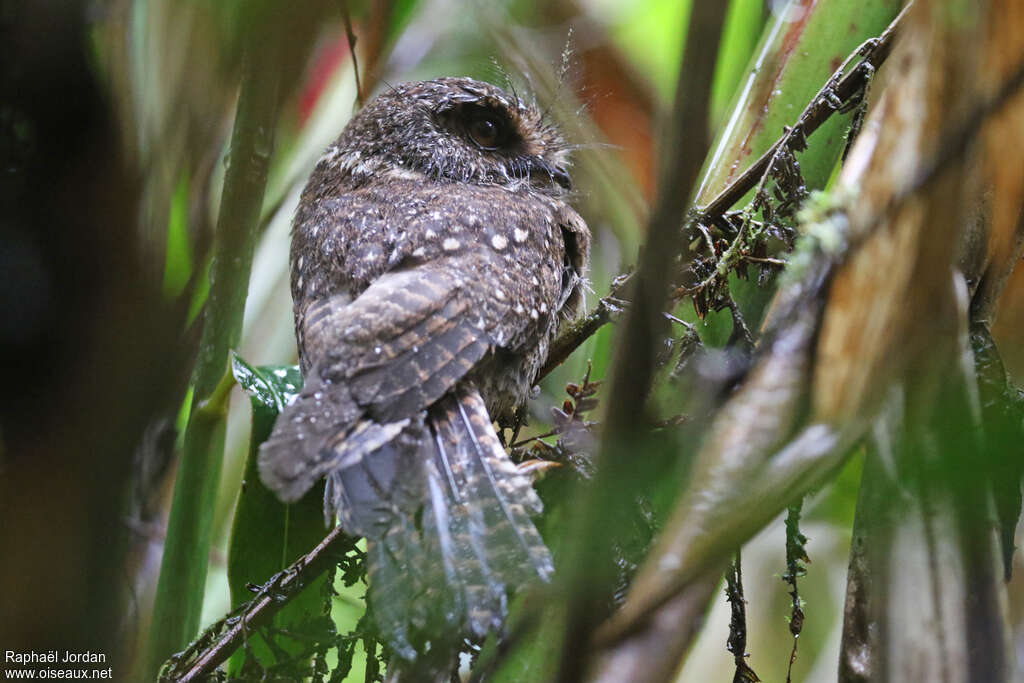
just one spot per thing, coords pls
(387, 355)
(404, 342)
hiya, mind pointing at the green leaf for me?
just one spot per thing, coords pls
(178, 261)
(743, 26)
(652, 34)
(268, 535)
(270, 387)
(802, 46)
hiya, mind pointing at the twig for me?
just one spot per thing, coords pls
(740, 331)
(796, 555)
(835, 94)
(781, 263)
(838, 92)
(350, 35)
(372, 666)
(271, 597)
(737, 642)
(536, 437)
(784, 146)
(608, 309)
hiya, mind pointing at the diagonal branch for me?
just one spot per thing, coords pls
(202, 659)
(834, 96)
(607, 310)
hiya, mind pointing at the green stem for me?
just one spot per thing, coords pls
(179, 597)
(590, 574)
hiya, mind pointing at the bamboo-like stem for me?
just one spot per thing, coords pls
(183, 570)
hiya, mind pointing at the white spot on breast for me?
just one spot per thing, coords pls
(500, 294)
(543, 308)
(533, 313)
(450, 244)
(520, 235)
(499, 242)
(519, 309)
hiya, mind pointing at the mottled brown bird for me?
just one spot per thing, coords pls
(434, 258)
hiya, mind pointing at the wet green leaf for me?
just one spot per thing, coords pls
(270, 386)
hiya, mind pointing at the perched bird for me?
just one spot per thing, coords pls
(434, 258)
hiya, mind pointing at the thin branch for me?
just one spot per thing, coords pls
(781, 263)
(737, 642)
(350, 35)
(796, 555)
(271, 597)
(833, 97)
(607, 310)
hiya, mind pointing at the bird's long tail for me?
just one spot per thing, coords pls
(445, 568)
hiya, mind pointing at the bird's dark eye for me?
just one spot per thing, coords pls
(486, 129)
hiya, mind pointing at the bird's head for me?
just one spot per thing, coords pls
(453, 130)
